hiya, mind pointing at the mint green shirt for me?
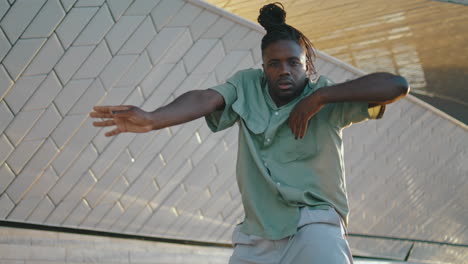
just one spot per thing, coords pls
(276, 173)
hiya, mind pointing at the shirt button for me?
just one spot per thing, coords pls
(276, 113)
(268, 140)
(279, 184)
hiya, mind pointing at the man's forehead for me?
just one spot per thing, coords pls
(283, 49)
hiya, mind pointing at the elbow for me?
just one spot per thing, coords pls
(393, 87)
(396, 86)
(401, 86)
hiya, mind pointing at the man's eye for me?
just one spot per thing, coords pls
(295, 63)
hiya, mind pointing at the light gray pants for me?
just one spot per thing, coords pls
(320, 239)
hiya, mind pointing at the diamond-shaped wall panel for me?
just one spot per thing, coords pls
(63, 57)
(60, 58)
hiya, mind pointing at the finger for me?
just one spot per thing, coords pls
(301, 127)
(295, 125)
(113, 132)
(291, 124)
(304, 129)
(120, 108)
(100, 115)
(109, 108)
(299, 130)
(298, 127)
(104, 123)
(293, 130)
(101, 108)
(122, 112)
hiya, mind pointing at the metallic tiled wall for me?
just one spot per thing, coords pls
(59, 58)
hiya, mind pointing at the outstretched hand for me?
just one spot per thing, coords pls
(302, 113)
(126, 118)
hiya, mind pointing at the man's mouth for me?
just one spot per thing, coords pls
(285, 85)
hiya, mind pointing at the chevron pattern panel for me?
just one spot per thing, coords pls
(58, 58)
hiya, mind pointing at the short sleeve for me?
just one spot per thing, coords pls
(244, 99)
(225, 118)
(347, 113)
(376, 112)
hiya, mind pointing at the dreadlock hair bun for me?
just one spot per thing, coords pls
(272, 16)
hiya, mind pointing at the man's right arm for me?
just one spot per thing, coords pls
(187, 107)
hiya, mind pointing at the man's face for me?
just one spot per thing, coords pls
(284, 64)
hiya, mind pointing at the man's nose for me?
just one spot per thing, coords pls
(284, 69)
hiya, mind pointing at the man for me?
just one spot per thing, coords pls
(290, 168)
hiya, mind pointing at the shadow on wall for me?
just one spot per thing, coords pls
(447, 90)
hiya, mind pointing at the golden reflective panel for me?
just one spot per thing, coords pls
(422, 40)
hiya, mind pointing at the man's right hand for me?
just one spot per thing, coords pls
(126, 118)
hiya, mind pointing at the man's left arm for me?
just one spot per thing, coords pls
(376, 89)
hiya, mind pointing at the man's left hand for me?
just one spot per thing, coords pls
(302, 113)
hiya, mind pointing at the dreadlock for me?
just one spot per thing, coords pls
(273, 17)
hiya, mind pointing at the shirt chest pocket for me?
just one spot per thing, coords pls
(290, 149)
